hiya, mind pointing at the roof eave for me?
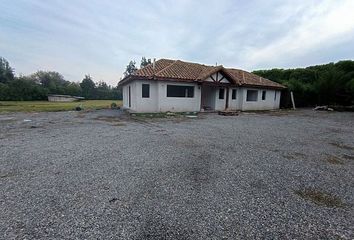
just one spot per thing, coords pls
(263, 86)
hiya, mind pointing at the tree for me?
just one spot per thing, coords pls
(53, 81)
(103, 91)
(6, 72)
(131, 68)
(24, 88)
(88, 87)
(144, 62)
(73, 89)
(330, 83)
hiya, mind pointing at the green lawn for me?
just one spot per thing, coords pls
(45, 106)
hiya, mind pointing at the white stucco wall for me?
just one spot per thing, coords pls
(220, 103)
(147, 104)
(235, 104)
(159, 102)
(267, 104)
(133, 91)
(178, 104)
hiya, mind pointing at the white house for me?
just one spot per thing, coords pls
(178, 86)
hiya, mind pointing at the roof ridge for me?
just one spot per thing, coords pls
(213, 70)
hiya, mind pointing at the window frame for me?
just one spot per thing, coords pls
(247, 97)
(189, 91)
(234, 94)
(221, 96)
(142, 90)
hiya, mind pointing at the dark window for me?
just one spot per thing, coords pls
(145, 90)
(252, 96)
(180, 91)
(221, 93)
(233, 96)
(264, 95)
(275, 95)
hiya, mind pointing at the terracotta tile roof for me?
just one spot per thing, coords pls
(166, 69)
(250, 79)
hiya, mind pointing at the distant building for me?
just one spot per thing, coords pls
(63, 98)
(178, 86)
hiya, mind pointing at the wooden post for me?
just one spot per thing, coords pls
(292, 100)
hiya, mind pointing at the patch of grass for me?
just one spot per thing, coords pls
(342, 146)
(320, 198)
(45, 106)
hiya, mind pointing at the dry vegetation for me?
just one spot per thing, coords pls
(45, 106)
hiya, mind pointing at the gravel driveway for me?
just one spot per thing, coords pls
(104, 175)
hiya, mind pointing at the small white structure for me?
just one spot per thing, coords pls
(177, 86)
(63, 98)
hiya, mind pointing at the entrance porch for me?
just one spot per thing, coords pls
(214, 97)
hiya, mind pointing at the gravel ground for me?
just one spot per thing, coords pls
(103, 175)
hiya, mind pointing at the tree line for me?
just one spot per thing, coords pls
(38, 85)
(327, 84)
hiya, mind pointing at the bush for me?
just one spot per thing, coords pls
(113, 105)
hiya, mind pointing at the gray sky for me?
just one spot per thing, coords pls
(100, 37)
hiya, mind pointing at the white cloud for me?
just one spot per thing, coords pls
(327, 24)
(100, 37)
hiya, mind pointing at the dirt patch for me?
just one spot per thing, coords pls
(119, 124)
(334, 160)
(7, 175)
(294, 155)
(80, 115)
(278, 113)
(110, 119)
(7, 119)
(342, 146)
(320, 198)
(349, 157)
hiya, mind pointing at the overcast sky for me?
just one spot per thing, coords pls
(79, 37)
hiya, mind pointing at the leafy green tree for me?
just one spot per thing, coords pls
(316, 85)
(24, 88)
(131, 68)
(144, 62)
(54, 82)
(6, 72)
(73, 89)
(4, 92)
(88, 87)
